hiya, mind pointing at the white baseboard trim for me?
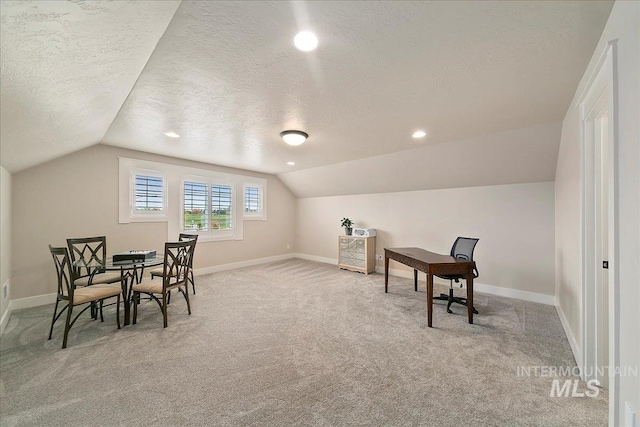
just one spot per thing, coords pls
(575, 349)
(240, 264)
(5, 318)
(38, 300)
(481, 287)
(515, 293)
(28, 302)
(332, 261)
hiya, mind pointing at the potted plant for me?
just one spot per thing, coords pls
(347, 223)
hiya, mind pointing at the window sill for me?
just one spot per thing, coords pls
(209, 238)
(148, 218)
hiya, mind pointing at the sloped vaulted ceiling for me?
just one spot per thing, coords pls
(227, 78)
(67, 67)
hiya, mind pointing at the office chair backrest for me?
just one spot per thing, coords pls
(463, 248)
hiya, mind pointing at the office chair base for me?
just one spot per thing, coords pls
(451, 299)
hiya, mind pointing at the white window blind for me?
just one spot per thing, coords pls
(252, 203)
(149, 193)
(221, 207)
(195, 214)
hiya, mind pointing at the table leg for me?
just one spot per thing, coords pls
(386, 274)
(470, 296)
(126, 279)
(415, 280)
(429, 299)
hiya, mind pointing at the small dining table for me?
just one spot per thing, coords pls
(130, 271)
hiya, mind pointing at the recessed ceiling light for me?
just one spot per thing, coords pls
(294, 137)
(306, 41)
(419, 134)
(172, 135)
(291, 163)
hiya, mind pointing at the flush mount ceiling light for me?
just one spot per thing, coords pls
(419, 134)
(294, 137)
(172, 135)
(291, 163)
(306, 41)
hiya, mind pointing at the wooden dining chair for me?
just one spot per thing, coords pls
(157, 272)
(75, 296)
(175, 273)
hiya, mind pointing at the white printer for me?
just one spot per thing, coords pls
(364, 232)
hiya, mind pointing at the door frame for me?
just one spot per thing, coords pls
(601, 92)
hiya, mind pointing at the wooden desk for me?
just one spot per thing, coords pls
(430, 263)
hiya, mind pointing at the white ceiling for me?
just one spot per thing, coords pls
(66, 68)
(227, 78)
(510, 157)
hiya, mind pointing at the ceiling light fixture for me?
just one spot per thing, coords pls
(172, 135)
(294, 137)
(305, 41)
(291, 163)
(419, 134)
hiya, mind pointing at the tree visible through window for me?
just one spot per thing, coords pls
(221, 207)
(252, 200)
(196, 214)
(149, 193)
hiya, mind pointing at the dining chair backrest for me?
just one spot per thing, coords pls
(63, 271)
(87, 249)
(184, 237)
(177, 262)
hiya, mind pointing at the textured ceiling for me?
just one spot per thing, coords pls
(227, 78)
(510, 157)
(66, 68)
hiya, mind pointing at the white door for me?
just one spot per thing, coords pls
(602, 247)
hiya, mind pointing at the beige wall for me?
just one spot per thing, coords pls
(5, 236)
(51, 204)
(623, 25)
(515, 225)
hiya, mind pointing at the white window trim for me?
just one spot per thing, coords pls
(255, 216)
(174, 178)
(147, 216)
(212, 235)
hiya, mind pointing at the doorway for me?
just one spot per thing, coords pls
(600, 320)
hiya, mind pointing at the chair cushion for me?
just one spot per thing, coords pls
(98, 279)
(95, 293)
(157, 271)
(152, 286)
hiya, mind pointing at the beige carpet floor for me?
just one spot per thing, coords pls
(293, 343)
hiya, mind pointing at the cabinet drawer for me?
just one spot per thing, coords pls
(357, 253)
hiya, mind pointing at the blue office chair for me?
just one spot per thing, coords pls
(462, 248)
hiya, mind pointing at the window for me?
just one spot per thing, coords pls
(208, 209)
(254, 196)
(149, 193)
(211, 203)
(195, 207)
(221, 207)
(251, 199)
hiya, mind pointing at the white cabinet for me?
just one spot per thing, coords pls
(357, 253)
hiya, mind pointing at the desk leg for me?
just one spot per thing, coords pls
(415, 280)
(429, 299)
(386, 274)
(470, 296)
